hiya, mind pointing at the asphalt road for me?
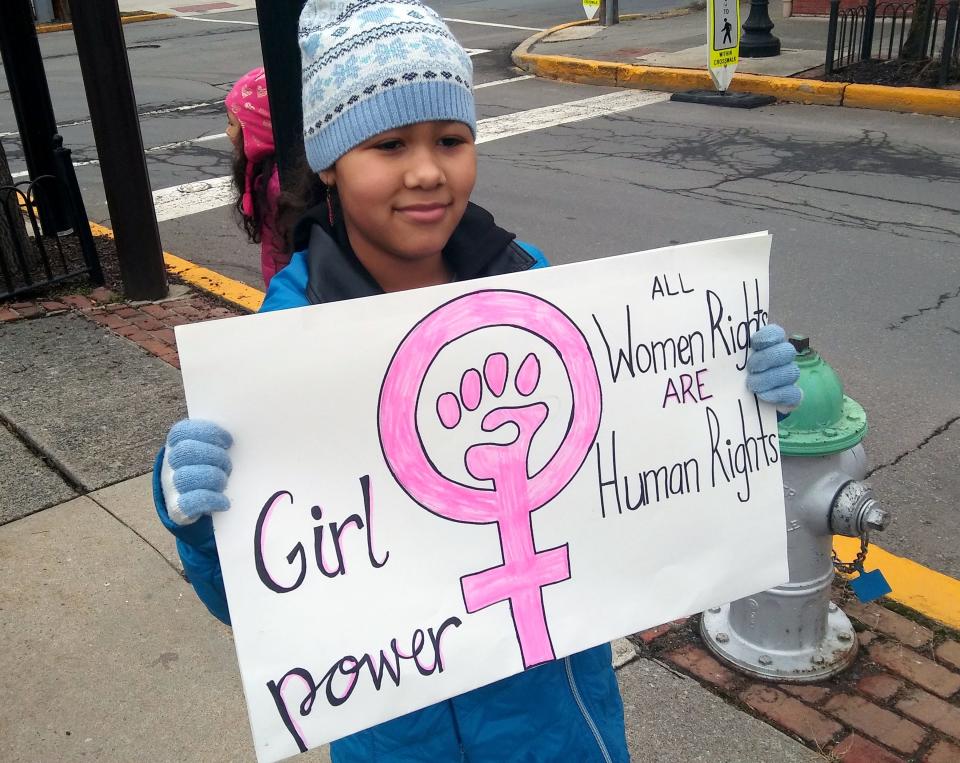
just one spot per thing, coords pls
(864, 208)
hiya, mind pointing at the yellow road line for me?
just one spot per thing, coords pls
(64, 26)
(927, 591)
(209, 281)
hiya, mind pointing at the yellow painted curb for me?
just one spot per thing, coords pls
(662, 78)
(809, 91)
(912, 100)
(572, 69)
(791, 89)
(64, 26)
(926, 591)
(209, 281)
(673, 80)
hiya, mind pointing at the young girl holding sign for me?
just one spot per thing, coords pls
(389, 128)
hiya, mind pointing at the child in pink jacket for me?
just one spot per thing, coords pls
(255, 170)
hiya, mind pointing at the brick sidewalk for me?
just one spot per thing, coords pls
(147, 324)
(898, 703)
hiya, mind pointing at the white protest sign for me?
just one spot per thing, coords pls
(723, 34)
(590, 7)
(435, 489)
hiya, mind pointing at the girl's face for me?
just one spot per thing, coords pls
(404, 191)
(233, 129)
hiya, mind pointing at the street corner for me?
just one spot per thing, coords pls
(586, 53)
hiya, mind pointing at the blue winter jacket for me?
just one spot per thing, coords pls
(565, 710)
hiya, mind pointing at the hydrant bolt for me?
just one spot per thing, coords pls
(874, 517)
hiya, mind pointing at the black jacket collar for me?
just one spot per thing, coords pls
(477, 248)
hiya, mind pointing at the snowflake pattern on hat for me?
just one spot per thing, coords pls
(372, 65)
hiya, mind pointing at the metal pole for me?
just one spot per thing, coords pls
(611, 12)
(113, 112)
(756, 40)
(32, 107)
(868, 22)
(949, 35)
(68, 177)
(278, 20)
(831, 36)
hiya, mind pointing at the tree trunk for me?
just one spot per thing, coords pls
(13, 233)
(915, 46)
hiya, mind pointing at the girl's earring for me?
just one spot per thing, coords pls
(330, 206)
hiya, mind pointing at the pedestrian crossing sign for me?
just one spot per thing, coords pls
(724, 39)
(590, 7)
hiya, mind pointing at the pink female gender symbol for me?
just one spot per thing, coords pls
(515, 493)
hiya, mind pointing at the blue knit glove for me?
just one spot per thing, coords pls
(195, 470)
(772, 372)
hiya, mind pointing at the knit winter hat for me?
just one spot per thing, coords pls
(247, 101)
(374, 65)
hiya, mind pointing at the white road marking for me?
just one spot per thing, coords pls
(218, 21)
(174, 109)
(520, 122)
(193, 198)
(489, 23)
(503, 81)
(475, 51)
(190, 142)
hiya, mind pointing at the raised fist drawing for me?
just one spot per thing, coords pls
(512, 489)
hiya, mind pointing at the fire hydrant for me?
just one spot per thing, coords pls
(794, 632)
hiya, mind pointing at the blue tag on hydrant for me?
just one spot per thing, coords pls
(868, 586)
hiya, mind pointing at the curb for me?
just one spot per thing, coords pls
(65, 26)
(911, 100)
(208, 281)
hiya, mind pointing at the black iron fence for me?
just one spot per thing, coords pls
(879, 31)
(33, 255)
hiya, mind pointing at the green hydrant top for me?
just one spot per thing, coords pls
(827, 421)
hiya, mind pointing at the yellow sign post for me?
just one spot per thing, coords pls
(723, 35)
